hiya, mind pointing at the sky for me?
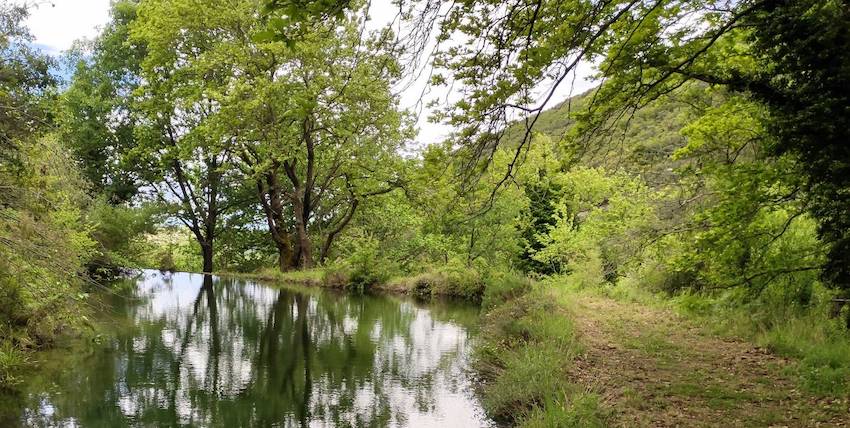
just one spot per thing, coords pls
(56, 24)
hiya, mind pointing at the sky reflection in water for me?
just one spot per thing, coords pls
(196, 351)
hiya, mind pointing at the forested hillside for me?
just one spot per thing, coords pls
(689, 212)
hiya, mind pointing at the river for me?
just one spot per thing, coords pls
(188, 350)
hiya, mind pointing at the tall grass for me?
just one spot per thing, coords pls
(527, 346)
(12, 360)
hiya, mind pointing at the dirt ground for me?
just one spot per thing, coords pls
(653, 368)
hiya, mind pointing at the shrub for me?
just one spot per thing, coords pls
(337, 276)
(423, 285)
(451, 280)
(366, 267)
(504, 286)
(461, 281)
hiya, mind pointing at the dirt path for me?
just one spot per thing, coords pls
(653, 368)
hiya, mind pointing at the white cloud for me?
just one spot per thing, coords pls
(56, 24)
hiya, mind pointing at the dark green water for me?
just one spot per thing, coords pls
(183, 350)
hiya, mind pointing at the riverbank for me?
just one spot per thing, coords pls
(550, 354)
(461, 283)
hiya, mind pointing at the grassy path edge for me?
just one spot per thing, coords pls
(562, 357)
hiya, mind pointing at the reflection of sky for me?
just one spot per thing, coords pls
(417, 372)
(431, 342)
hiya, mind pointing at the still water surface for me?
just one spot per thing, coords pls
(189, 350)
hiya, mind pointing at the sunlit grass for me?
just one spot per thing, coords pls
(528, 345)
(818, 346)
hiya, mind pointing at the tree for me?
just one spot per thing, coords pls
(312, 125)
(314, 122)
(24, 79)
(791, 56)
(179, 153)
(95, 113)
(44, 238)
(318, 135)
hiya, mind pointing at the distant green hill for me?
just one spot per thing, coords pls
(641, 144)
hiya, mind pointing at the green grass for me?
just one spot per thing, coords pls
(651, 343)
(307, 275)
(819, 346)
(821, 349)
(12, 360)
(456, 282)
(451, 281)
(718, 397)
(459, 282)
(504, 286)
(313, 277)
(527, 346)
(582, 410)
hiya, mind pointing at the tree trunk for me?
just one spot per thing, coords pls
(306, 259)
(207, 253)
(268, 190)
(284, 257)
(305, 248)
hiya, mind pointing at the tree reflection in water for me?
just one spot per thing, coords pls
(203, 350)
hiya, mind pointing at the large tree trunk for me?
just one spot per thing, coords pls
(207, 254)
(305, 247)
(284, 257)
(269, 192)
(301, 197)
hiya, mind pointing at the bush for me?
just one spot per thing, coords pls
(337, 276)
(451, 280)
(361, 270)
(504, 286)
(166, 262)
(462, 282)
(424, 284)
(366, 267)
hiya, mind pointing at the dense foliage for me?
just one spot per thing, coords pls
(787, 57)
(710, 165)
(44, 238)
